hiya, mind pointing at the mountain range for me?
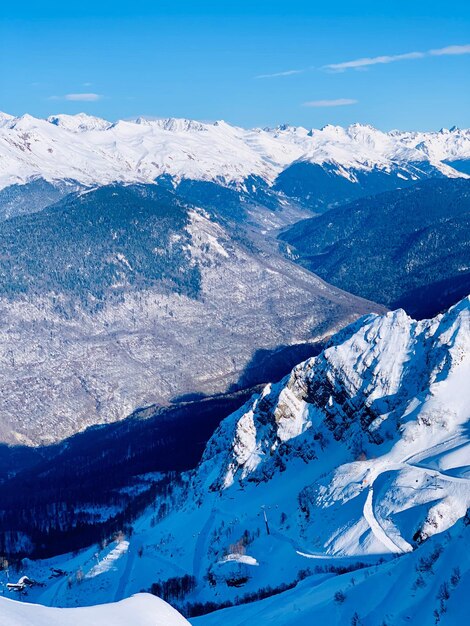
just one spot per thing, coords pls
(316, 167)
(123, 243)
(154, 276)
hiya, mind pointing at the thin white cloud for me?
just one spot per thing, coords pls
(339, 102)
(450, 50)
(78, 97)
(277, 74)
(365, 62)
(83, 97)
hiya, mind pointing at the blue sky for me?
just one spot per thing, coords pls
(391, 63)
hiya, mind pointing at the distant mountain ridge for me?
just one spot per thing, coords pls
(407, 248)
(359, 158)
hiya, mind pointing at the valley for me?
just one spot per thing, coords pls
(205, 400)
(125, 293)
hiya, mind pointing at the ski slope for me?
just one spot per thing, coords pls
(410, 590)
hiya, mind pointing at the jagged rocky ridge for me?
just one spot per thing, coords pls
(389, 397)
(359, 454)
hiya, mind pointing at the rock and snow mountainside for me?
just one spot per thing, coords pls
(380, 420)
(318, 167)
(125, 296)
(140, 610)
(406, 248)
(359, 455)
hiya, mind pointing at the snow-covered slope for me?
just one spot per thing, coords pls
(359, 455)
(140, 610)
(383, 414)
(427, 587)
(364, 147)
(94, 151)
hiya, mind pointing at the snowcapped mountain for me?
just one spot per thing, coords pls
(342, 484)
(364, 147)
(378, 421)
(79, 123)
(94, 151)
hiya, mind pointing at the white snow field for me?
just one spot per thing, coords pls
(94, 151)
(139, 610)
(348, 478)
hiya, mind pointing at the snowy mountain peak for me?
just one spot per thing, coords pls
(331, 128)
(24, 121)
(386, 398)
(5, 118)
(175, 125)
(81, 122)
